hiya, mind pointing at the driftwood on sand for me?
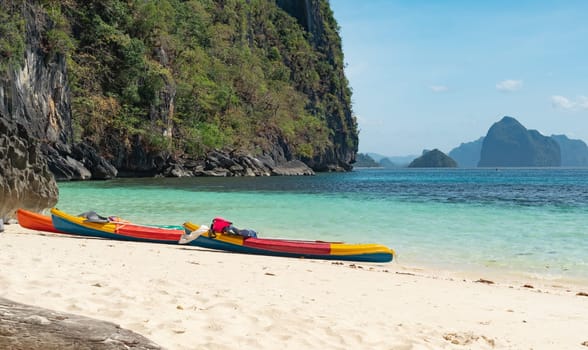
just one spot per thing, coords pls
(24, 327)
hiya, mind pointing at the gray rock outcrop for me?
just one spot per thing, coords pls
(32, 328)
(220, 163)
(25, 179)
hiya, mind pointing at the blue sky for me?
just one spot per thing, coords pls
(434, 74)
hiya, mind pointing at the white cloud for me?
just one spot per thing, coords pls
(583, 102)
(438, 88)
(509, 85)
(561, 102)
(569, 104)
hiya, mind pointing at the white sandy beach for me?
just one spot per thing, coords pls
(190, 298)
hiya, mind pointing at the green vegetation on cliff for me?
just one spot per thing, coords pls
(12, 36)
(189, 76)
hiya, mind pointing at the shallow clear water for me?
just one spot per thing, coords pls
(518, 220)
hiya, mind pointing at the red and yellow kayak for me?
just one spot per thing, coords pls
(197, 236)
(35, 221)
(115, 228)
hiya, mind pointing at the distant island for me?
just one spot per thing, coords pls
(507, 144)
(433, 159)
(392, 161)
(365, 161)
(574, 153)
(429, 159)
(512, 145)
(467, 155)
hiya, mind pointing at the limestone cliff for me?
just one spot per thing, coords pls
(36, 93)
(316, 17)
(117, 88)
(33, 107)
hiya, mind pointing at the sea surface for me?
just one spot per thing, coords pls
(530, 221)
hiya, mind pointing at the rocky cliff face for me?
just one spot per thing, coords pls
(510, 144)
(25, 180)
(316, 17)
(36, 125)
(33, 107)
(36, 96)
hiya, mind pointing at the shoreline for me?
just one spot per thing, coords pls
(187, 297)
(504, 277)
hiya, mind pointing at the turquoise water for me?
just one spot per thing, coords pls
(519, 220)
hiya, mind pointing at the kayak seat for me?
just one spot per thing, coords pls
(92, 216)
